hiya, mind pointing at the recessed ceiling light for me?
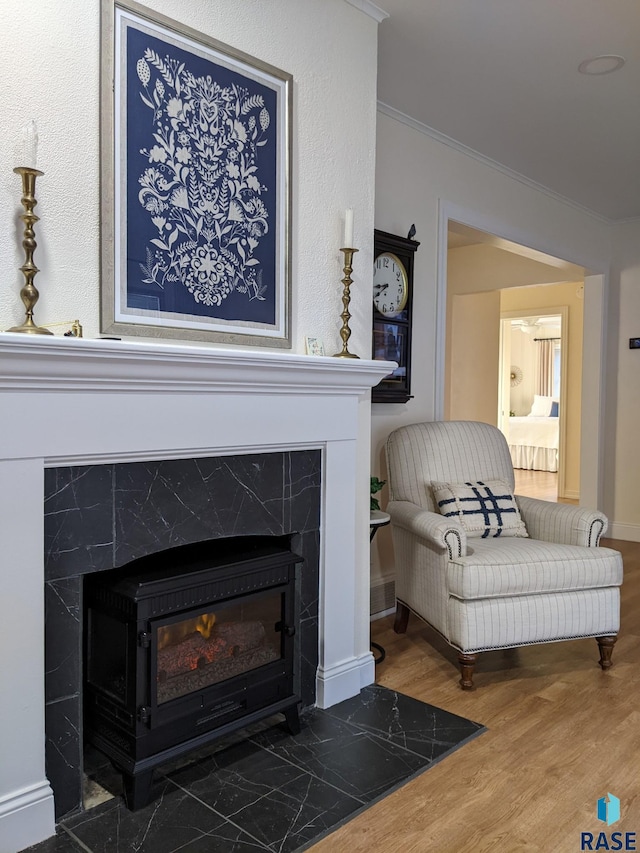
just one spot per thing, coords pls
(601, 64)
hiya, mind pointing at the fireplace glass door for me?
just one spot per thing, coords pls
(197, 650)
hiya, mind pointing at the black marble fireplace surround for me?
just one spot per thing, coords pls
(100, 517)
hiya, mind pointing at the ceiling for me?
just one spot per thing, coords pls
(501, 78)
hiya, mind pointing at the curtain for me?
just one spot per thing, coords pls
(544, 368)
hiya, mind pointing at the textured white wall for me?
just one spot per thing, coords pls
(49, 71)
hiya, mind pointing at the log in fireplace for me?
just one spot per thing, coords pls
(186, 645)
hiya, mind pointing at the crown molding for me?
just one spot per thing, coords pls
(369, 9)
(403, 118)
(630, 220)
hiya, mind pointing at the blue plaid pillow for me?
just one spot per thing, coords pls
(484, 508)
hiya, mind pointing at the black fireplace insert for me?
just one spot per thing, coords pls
(187, 645)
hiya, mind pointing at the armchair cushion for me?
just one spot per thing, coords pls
(509, 567)
(485, 508)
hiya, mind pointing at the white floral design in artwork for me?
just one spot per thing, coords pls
(202, 189)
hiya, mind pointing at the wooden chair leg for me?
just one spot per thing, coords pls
(606, 644)
(402, 618)
(467, 664)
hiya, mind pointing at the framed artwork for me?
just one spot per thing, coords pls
(195, 185)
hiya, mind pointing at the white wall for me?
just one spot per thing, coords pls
(473, 357)
(622, 460)
(421, 180)
(49, 71)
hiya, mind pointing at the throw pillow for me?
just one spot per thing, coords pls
(484, 508)
(541, 406)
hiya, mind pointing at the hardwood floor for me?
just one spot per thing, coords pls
(561, 734)
(537, 484)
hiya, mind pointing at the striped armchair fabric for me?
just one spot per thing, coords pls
(502, 592)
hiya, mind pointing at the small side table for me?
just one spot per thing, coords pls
(377, 519)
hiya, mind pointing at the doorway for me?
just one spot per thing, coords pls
(533, 398)
(484, 275)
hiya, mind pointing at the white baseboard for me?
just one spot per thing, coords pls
(367, 669)
(344, 680)
(571, 495)
(627, 532)
(26, 817)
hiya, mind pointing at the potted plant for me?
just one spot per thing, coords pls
(376, 486)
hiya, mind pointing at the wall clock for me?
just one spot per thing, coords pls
(392, 313)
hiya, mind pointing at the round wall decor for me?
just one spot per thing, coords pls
(516, 375)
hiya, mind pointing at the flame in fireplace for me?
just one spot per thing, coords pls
(205, 624)
(169, 635)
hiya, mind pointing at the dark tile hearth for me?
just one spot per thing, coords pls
(266, 790)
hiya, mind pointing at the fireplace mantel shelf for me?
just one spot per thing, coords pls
(29, 363)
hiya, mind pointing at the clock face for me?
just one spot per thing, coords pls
(390, 284)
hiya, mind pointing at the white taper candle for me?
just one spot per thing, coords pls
(348, 228)
(30, 145)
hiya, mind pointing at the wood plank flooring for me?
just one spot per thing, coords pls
(561, 734)
(537, 484)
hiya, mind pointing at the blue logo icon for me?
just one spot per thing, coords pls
(609, 810)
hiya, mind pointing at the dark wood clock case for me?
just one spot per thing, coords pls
(392, 335)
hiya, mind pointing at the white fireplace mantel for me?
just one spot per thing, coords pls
(29, 362)
(67, 401)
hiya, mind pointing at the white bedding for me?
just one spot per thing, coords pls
(533, 443)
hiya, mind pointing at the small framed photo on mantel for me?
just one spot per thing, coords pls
(313, 346)
(195, 185)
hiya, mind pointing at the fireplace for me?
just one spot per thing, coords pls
(104, 522)
(184, 646)
(103, 406)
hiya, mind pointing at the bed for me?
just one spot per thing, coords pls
(533, 440)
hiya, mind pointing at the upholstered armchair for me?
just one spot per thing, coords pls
(486, 569)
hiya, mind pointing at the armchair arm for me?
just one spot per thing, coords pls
(563, 524)
(430, 526)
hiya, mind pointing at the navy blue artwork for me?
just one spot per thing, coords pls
(201, 196)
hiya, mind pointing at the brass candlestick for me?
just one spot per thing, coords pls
(345, 331)
(29, 293)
